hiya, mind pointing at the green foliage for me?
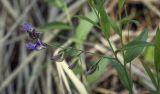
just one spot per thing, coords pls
(123, 75)
(105, 23)
(81, 34)
(88, 19)
(130, 54)
(157, 50)
(156, 56)
(150, 74)
(135, 44)
(99, 71)
(131, 50)
(72, 52)
(54, 25)
(155, 92)
(84, 28)
(128, 19)
(149, 54)
(115, 26)
(102, 16)
(56, 3)
(120, 4)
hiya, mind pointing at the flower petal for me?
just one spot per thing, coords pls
(40, 45)
(26, 27)
(31, 46)
(35, 34)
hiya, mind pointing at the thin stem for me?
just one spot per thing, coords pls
(81, 51)
(128, 79)
(157, 74)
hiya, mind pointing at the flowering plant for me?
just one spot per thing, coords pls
(128, 51)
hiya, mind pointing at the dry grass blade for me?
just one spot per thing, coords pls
(18, 22)
(9, 8)
(77, 83)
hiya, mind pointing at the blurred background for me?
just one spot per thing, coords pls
(33, 72)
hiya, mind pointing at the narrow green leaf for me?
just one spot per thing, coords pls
(143, 36)
(98, 4)
(123, 75)
(84, 28)
(135, 22)
(55, 25)
(90, 2)
(103, 17)
(72, 52)
(81, 34)
(150, 74)
(105, 23)
(131, 54)
(88, 19)
(157, 50)
(120, 4)
(155, 92)
(128, 19)
(56, 3)
(156, 56)
(96, 75)
(135, 44)
(115, 26)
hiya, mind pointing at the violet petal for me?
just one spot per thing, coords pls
(35, 34)
(26, 27)
(31, 46)
(40, 45)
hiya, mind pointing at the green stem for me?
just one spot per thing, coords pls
(128, 79)
(81, 51)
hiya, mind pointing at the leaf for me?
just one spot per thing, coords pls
(102, 15)
(157, 51)
(131, 54)
(98, 4)
(150, 74)
(135, 44)
(105, 23)
(156, 56)
(149, 54)
(90, 2)
(93, 68)
(155, 92)
(120, 4)
(88, 19)
(57, 3)
(84, 28)
(72, 52)
(59, 57)
(115, 26)
(73, 63)
(135, 22)
(128, 19)
(97, 74)
(123, 75)
(54, 25)
(81, 34)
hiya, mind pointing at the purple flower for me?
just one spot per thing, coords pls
(40, 45)
(26, 27)
(36, 46)
(35, 34)
(31, 46)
